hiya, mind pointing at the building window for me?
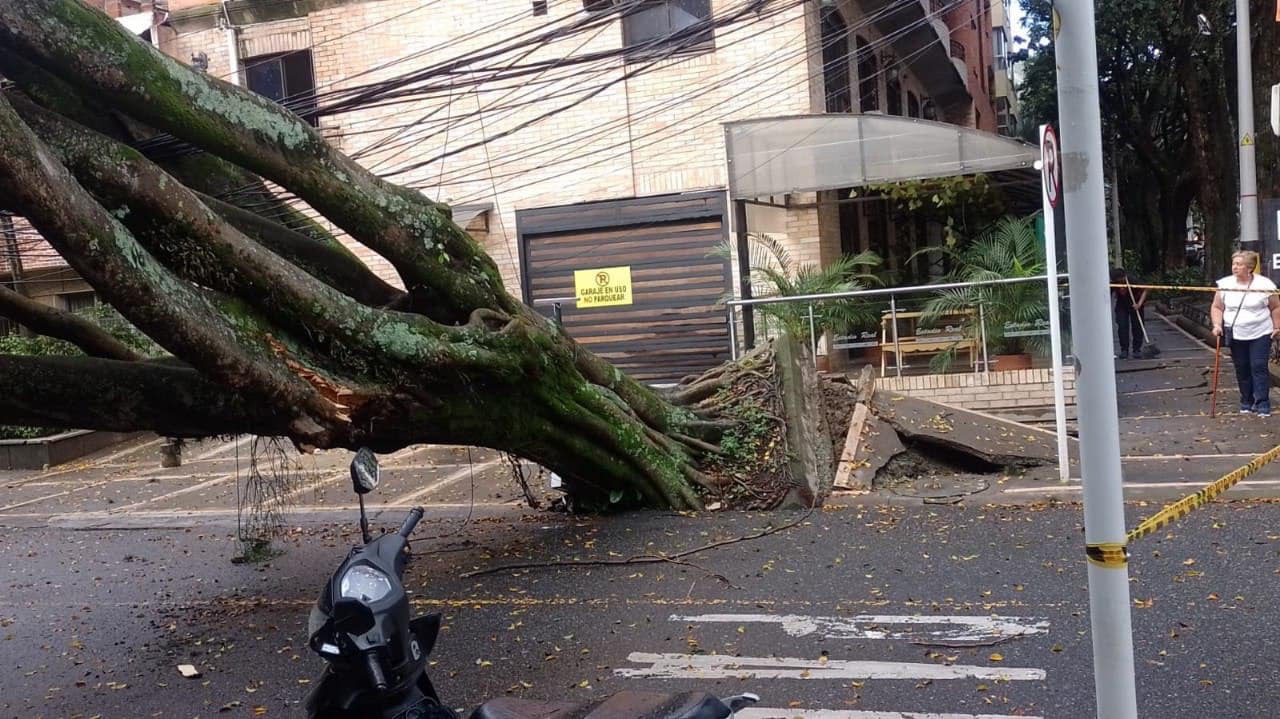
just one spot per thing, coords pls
(1004, 118)
(664, 26)
(286, 78)
(893, 93)
(77, 301)
(835, 62)
(595, 5)
(868, 77)
(999, 48)
(913, 104)
(539, 7)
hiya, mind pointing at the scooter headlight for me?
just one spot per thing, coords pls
(364, 583)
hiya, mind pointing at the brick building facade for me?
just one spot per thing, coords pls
(642, 121)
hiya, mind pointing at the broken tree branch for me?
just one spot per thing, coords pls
(60, 324)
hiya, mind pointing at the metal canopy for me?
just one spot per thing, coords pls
(806, 153)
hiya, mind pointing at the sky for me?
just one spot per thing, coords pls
(1015, 16)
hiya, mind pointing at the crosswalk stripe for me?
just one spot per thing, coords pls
(771, 713)
(703, 666)
(958, 629)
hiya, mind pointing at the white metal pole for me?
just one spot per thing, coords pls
(733, 333)
(1099, 425)
(982, 326)
(897, 348)
(1247, 139)
(1051, 195)
(813, 336)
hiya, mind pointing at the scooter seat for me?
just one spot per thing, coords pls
(623, 705)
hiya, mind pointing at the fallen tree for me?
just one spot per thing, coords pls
(279, 330)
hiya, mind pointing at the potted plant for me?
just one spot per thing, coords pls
(1014, 315)
(775, 274)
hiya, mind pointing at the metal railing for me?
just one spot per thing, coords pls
(892, 293)
(557, 304)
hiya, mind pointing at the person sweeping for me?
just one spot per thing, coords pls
(1246, 315)
(1128, 314)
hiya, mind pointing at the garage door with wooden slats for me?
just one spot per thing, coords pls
(675, 325)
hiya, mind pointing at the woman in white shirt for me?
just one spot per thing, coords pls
(1248, 304)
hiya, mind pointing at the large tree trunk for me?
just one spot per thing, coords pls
(1215, 153)
(276, 329)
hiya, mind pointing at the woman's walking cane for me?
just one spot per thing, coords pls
(1217, 357)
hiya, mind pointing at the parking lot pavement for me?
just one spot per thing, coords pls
(125, 486)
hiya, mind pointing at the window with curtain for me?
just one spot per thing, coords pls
(286, 78)
(665, 27)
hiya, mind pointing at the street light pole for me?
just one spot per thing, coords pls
(1082, 176)
(1247, 138)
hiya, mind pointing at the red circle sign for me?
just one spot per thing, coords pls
(1050, 169)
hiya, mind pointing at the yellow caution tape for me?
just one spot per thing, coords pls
(1187, 288)
(1183, 507)
(1107, 554)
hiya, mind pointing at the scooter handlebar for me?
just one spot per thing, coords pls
(376, 677)
(415, 516)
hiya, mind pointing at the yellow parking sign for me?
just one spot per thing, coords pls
(603, 287)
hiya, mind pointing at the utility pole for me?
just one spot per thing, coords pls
(1248, 139)
(10, 238)
(1105, 537)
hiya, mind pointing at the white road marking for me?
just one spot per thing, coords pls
(322, 479)
(771, 713)
(171, 514)
(1075, 487)
(704, 666)
(55, 495)
(959, 629)
(455, 477)
(223, 447)
(1155, 457)
(176, 493)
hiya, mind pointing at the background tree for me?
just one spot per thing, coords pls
(1167, 92)
(280, 331)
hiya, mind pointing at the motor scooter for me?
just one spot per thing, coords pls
(376, 656)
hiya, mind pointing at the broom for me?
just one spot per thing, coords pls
(1149, 349)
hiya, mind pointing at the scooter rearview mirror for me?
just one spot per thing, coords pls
(364, 471)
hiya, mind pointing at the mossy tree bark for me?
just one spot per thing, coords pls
(281, 331)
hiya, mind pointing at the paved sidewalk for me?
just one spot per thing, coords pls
(1169, 444)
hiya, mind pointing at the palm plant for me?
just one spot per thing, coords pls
(1008, 249)
(775, 274)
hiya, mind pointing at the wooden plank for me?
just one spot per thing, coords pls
(849, 457)
(846, 475)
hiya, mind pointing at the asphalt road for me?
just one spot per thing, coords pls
(940, 611)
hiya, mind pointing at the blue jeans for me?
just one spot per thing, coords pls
(1250, 358)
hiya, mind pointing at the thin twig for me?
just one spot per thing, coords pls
(639, 558)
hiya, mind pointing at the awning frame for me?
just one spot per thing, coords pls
(809, 153)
